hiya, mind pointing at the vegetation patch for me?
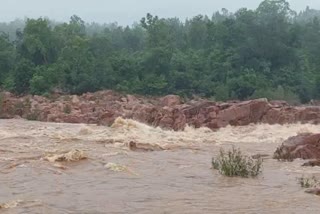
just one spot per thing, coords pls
(233, 163)
(310, 182)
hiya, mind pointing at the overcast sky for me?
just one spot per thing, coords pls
(125, 11)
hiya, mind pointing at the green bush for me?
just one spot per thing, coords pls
(233, 163)
(222, 93)
(9, 84)
(38, 85)
(308, 182)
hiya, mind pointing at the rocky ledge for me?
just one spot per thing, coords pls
(302, 146)
(169, 112)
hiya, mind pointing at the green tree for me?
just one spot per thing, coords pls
(7, 57)
(22, 75)
(38, 42)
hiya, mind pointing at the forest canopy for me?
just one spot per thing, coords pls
(271, 52)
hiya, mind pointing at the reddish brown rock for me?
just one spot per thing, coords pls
(243, 113)
(169, 112)
(304, 146)
(105, 118)
(73, 119)
(170, 100)
(180, 120)
(278, 103)
(291, 114)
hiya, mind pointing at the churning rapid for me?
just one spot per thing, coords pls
(160, 171)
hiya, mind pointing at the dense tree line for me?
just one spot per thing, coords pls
(270, 52)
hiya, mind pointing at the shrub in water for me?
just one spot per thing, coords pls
(233, 163)
(308, 182)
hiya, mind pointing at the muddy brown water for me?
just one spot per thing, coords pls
(177, 180)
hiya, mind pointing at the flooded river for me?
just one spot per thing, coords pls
(114, 179)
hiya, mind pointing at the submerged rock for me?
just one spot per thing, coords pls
(258, 156)
(312, 163)
(315, 191)
(304, 146)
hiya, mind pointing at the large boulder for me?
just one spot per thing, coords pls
(308, 114)
(144, 113)
(243, 113)
(179, 119)
(304, 146)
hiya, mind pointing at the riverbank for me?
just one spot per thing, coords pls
(169, 112)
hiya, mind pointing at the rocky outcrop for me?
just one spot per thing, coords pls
(170, 100)
(169, 112)
(304, 146)
(289, 114)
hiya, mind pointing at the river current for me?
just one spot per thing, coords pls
(176, 179)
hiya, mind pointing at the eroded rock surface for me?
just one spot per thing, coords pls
(169, 112)
(304, 146)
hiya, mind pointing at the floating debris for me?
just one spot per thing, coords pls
(152, 147)
(16, 203)
(72, 156)
(119, 168)
(116, 167)
(133, 146)
(60, 166)
(9, 205)
(115, 154)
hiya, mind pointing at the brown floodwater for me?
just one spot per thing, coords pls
(177, 180)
